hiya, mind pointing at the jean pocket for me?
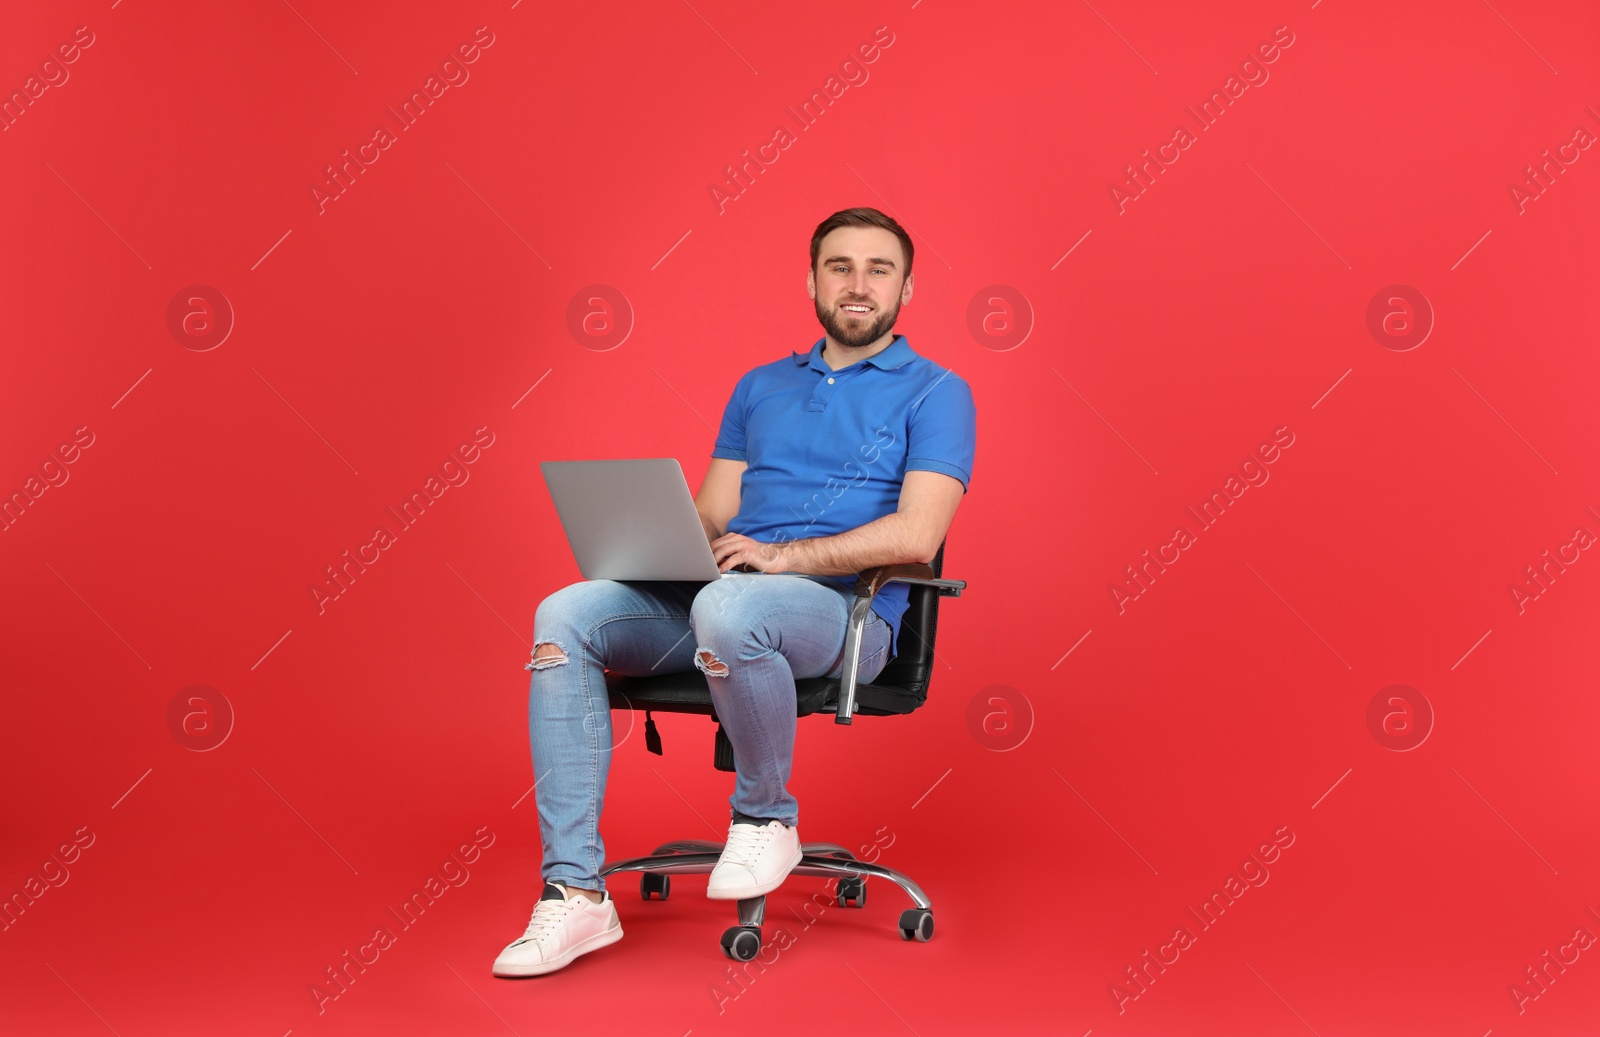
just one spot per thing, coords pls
(870, 668)
(877, 645)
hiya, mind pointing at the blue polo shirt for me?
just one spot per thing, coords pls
(826, 451)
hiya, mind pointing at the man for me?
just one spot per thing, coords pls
(853, 455)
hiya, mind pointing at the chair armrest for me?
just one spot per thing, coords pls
(871, 581)
(868, 584)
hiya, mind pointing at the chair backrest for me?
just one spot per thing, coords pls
(905, 679)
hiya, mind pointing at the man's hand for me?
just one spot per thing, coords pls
(733, 550)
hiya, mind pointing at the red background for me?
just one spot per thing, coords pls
(1165, 342)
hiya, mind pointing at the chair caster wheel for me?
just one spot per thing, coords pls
(742, 942)
(660, 885)
(852, 889)
(916, 924)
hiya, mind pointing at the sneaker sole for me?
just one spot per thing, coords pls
(593, 943)
(757, 890)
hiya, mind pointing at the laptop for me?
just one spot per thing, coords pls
(631, 519)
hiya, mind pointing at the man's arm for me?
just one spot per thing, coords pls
(718, 500)
(913, 533)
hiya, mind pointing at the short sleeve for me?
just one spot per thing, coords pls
(943, 432)
(731, 437)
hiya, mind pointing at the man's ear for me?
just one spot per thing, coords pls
(811, 283)
(907, 288)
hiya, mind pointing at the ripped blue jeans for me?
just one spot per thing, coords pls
(751, 634)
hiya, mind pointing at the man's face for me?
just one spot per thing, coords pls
(859, 284)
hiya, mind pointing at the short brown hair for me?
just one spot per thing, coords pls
(860, 217)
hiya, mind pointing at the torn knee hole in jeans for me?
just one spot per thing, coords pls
(706, 659)
(543, 660)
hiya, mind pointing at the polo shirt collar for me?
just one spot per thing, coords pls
(898, 354)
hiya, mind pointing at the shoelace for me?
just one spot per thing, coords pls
(547, 916)
(745, 843)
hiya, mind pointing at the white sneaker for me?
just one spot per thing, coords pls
(561, 929)
(755, 861)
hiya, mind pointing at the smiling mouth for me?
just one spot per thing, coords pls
(855, 309)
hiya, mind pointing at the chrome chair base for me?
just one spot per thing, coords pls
(743, 941)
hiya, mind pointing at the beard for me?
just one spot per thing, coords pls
(856, 332)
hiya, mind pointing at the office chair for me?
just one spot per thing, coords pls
(900, 688)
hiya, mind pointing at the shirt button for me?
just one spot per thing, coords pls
(830, 381)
